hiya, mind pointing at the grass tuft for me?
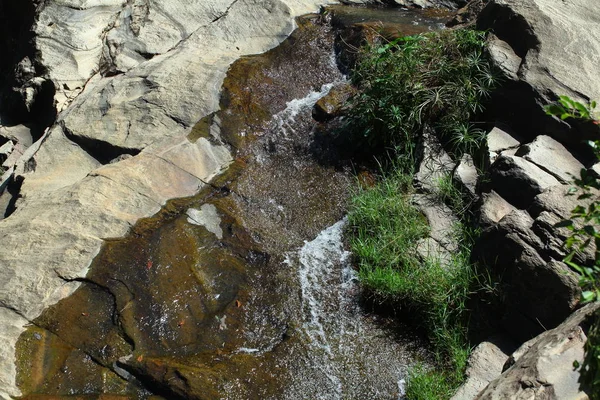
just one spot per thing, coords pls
(385, 229)
(439, 79)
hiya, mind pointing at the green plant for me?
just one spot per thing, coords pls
(439, 79)
(447, 192)
(569, 108)
(384, 232)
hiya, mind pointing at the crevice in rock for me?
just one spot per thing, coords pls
(14, 190)
(509, 27)
(224, 14)
(25, 97)
(100, 150)
(151, 384)
(147, 56)
(181, 169)
(217, 18)
(115, 310)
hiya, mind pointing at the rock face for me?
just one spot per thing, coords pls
(543, 367)
(542, 35)
(526, 195)
(132, 78)
(413, 3)
(535, 43)
(535, 157)
(485, 365)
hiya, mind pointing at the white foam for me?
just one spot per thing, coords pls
(285, 118)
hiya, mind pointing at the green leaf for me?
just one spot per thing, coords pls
(588, 296)
(566, 101)
(578, 210)
(564, 224)
(554, 109)
(582, 109)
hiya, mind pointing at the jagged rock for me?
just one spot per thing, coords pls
(504, 56)
(69, 38)
(412, 3)
(560, 201)
(518, 180)
(16, 152)
(442, 242)
(5, 150)
(552, 157)
(431, 3)
(540, 291)
(58, 163)
(543, 367)
(493, 208)
(485, 364)
(534, 46)
(542, 33)
(553, 206)
(499, 142)
(435, 164)
(468, 13)
(18, 133)
(4, 181)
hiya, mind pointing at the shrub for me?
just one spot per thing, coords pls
(439, 79)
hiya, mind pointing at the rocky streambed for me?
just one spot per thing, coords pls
(243, 290)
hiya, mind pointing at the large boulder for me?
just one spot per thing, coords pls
(518, 180)
(543, 367)
(545, 49)
(547, 37)
(539, 290)
(552, 157)
(485, 364)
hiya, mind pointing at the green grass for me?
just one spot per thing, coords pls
(448, 193)
(384, 231)
(438, 79)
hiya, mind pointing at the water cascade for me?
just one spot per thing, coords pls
(244, 291)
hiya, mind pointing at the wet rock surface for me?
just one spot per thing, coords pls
(244, 290)
(57, 226)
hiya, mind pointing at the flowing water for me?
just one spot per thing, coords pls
(244, 291)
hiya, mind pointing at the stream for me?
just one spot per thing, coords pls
(246, 290)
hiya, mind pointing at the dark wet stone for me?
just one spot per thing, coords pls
(333, 104)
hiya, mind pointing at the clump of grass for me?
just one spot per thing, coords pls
(439, 79)
(385, 230)
(448, 193)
